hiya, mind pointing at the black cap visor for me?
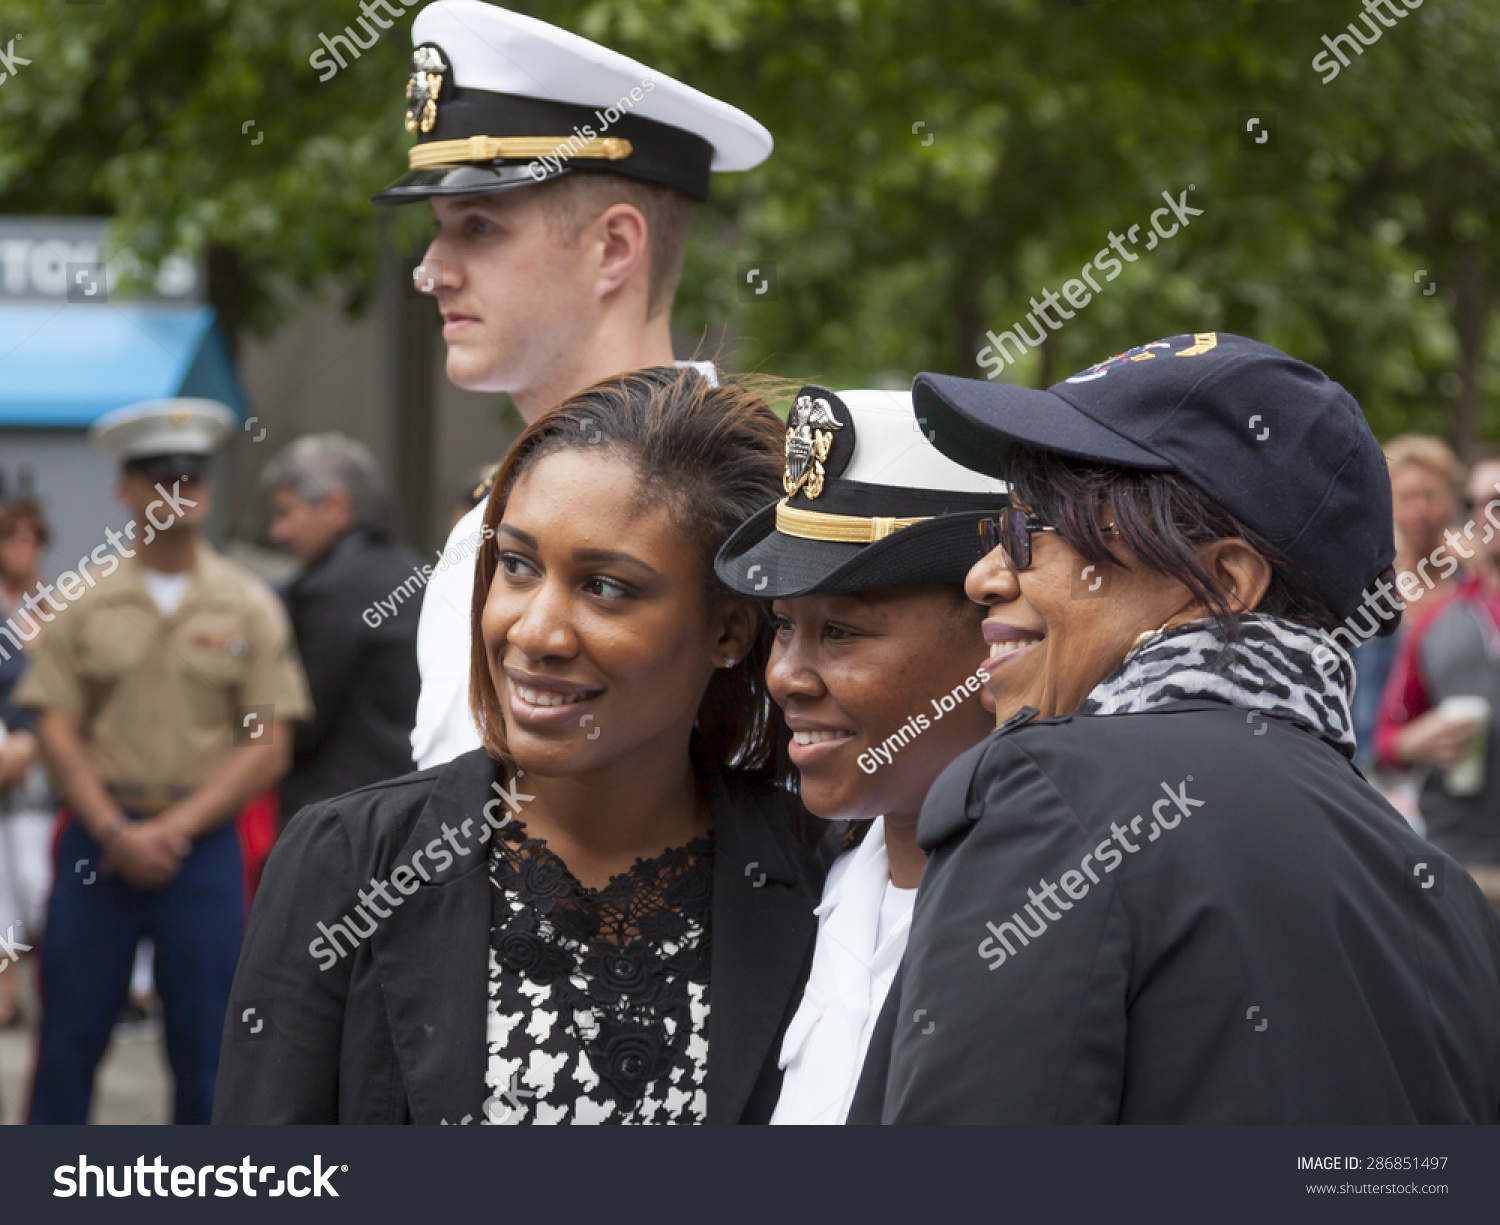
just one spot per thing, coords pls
(760, 561)
(467, 179)
(976, 424)
(178, 467)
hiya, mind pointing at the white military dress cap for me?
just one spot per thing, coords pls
(180, 426)
(870, 503)
(498, 100)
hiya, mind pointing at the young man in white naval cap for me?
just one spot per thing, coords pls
(167, 686)
(877, 664)
(564, 177)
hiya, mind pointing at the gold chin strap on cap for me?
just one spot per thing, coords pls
(493, 148)
(841, 529)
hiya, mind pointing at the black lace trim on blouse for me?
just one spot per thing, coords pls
(617, 961)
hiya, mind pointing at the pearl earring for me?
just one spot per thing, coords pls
(730, 661)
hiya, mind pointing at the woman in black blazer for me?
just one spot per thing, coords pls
(1160, 892)
(606, 914)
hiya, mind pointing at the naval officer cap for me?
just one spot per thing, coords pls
(870, 503)
(498, 100)
(163, 439)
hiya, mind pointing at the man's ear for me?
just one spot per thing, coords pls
(622, 238)
(337, 507)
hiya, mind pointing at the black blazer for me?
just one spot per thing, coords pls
(1272, 957)
(354, 616)
(395, 1032)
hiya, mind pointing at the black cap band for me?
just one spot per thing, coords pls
(659, 153)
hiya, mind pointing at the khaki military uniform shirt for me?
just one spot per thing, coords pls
(160, 700)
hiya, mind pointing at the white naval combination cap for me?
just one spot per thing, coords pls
(175, 429)
(870, 503)
(498, 100)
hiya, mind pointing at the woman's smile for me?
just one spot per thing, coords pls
(542, 702)
(1007, 641)
(813, 745)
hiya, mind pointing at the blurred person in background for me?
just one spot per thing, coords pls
(166, 686)
(1453, 652)
(354, 613)
(1426, 480)
(26, 803)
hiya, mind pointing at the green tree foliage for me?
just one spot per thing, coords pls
(937, 165)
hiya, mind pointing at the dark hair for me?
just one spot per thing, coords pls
(1163, 519)
(15, 511)
(713, 456)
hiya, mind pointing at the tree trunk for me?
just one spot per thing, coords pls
(1471, 311)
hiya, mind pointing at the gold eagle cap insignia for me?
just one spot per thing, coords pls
(428, 69)
(809, 439)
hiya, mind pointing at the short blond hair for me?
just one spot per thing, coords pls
(1429, 452)
(576, 199)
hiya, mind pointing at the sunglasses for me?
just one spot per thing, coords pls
(1010, 532)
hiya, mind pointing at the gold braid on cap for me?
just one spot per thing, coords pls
(841, 529)
(495, 148)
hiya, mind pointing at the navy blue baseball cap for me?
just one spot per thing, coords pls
(1273, 441)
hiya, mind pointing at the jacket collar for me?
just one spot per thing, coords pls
(433, 953)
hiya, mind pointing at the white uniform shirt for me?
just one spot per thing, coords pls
(444, 727)
(863, 921)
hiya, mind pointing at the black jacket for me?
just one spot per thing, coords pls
(395, 1032)
(1270, 957)
(354, 614)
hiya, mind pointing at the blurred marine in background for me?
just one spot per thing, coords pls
(354, 613)
(166, 686)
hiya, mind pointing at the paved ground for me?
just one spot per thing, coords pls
(133, 1084)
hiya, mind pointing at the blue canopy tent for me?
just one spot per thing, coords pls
(62, 367)
(69, 365)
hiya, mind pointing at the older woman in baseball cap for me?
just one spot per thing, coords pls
(1160, 892)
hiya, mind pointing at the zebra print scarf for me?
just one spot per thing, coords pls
(1274, 667)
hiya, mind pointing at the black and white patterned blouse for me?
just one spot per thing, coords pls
(598, 999)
